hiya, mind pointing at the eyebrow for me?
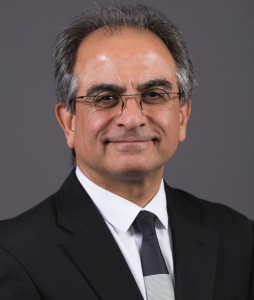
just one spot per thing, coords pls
(158, 82)
(96, 88)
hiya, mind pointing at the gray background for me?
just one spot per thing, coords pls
(216, 160)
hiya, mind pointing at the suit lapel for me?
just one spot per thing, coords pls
(93, 249)
(194, 249)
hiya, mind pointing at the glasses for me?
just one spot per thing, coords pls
(108, 104)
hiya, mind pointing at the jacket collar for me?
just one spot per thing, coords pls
(75, 209)
(73, 201)
(178, 203)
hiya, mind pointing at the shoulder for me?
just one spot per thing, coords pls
(218, 216)
(30, 224)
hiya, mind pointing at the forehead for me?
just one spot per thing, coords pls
(125, 56)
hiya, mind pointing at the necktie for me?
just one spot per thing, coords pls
(156, 276)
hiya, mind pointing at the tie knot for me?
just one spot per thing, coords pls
(145, 223)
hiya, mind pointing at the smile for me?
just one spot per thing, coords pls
(130, 142)
(131, 147)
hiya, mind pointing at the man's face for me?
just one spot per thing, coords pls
(131, 143)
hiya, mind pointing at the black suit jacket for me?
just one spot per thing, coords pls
(63, 250)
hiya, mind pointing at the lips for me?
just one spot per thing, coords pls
(130, 141)
(130, 138)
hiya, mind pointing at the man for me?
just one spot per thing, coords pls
(115, 230)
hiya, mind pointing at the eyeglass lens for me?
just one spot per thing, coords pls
(153, 102)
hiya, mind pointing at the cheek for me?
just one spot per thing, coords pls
(88, 132)
(171, 127)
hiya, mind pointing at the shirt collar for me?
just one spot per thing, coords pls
(120, 212)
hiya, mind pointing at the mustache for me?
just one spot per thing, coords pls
(130, 136)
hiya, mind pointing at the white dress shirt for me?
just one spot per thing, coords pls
(119, 215)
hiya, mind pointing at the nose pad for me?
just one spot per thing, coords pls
(139, 104)
(122, 106)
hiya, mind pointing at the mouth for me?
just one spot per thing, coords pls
(132, 147)
(131, 142)
(142, 138)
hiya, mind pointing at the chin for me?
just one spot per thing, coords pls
(133, 170)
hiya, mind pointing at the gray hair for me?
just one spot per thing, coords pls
(114, 17)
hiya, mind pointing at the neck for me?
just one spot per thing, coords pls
(136, 188)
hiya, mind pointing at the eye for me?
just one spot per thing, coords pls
(106, 98)
(154, 97)
(106, 101)
(153, 94)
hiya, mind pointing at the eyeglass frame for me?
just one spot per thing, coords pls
(180, 94)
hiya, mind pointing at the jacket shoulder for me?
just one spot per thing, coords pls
(217, 215)
(29, 223)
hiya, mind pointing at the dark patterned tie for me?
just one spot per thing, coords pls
(156, 276)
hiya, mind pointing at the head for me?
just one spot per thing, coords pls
(130, 47)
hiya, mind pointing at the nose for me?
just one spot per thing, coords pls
(132, 115)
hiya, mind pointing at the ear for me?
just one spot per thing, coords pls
(184, 116)
(66, 121)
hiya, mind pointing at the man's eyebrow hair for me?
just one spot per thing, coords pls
(96, 88)
(158, 82)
